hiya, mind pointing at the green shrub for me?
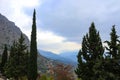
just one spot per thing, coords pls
(44, 77)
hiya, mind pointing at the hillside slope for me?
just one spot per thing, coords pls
(9, 33)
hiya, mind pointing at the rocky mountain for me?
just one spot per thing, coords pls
(9, 33)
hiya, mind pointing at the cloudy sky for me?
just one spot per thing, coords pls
(61, 24)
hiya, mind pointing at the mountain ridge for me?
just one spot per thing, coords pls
(70, 55)
(9, 33)
(59, 58)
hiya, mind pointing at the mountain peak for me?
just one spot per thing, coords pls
(3, 17)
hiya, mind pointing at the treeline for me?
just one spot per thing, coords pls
(15, 65)
(98, 62)
(21, 62)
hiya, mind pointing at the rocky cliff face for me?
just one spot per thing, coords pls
(9, 33)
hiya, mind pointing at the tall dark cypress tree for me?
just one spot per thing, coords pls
(32, 75)
(91, 52)
(4, 59)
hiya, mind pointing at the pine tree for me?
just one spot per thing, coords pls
(10, 67)
(112, 64)
(4, 59)
(32, 75)
(91, 52)
(16, 65)
(22, 56)
(113, 44)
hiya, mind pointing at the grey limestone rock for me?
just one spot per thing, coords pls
(9, 33)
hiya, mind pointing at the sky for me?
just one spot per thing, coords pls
(61, 24)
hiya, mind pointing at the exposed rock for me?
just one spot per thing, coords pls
(9, 33)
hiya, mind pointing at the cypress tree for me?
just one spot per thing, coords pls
(92, 51)
(32, 74)
(4, 59)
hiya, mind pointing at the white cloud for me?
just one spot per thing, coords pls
(74, 10)
(14, 11)
(54, 43)
(25, 3)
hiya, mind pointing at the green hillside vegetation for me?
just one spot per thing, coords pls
(96, 64)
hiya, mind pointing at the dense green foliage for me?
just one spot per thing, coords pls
(4, 59)
(93, 62)
(17, 63)
(32, 74)
(44, 77)
(112, 65)
(113, 44)
(92, 51)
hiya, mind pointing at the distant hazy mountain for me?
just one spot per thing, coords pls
(72, 55)
(57, 57)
